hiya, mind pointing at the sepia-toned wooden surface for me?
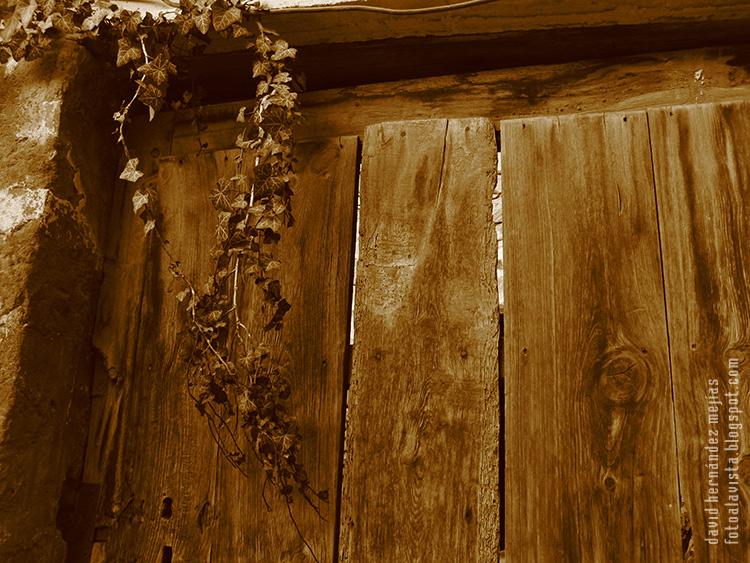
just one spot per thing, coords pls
(591, 473)
(626, 239)
(616, 84)
(702, 170)
(164, 488)
(421, 455)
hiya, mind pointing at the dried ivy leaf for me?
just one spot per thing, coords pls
(131, 172)
(64, 22)
(184, 23)
(130, 20)
(282, 308)
(151, 96)
(240, 31)
(263, 45)
(140, 201)
(148, 226)
(158, 69)
(97, 17)
(281, 50)
(127, 51)
(182, 294)
(272, 223)
(25, 11)
(43, 26)
(283, 96)
(262, 67)
(203, 21)
(224, 18)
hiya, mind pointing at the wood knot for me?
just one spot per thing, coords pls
(610, 483)
(623, 377)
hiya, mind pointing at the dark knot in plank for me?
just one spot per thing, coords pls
(623, 376)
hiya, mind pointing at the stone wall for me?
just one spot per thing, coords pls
(57, 167)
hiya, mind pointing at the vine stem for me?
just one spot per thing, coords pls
(122, 115)
(296, 527)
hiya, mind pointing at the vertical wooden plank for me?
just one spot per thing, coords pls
(116, 338)
(316, 256)
(701, 157)
(166, 464)
(591, 472)
(164, 450)
(421, 456)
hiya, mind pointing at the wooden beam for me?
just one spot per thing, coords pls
(316, 24)
(339, 66)
(629, 83)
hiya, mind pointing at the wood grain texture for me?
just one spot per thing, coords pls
(116, 338)
(166, 458)
(421, 456)
(591, 473)
(162, 448)
(702, 169)
(422, 57)
(618, 84)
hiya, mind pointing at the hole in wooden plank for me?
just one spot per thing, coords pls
(166, 554)
(687, 533)
(166, 507)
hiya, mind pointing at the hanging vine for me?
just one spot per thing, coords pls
(236, 371)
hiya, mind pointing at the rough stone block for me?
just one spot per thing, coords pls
(57, 171)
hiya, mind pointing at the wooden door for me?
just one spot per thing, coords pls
(626, 346)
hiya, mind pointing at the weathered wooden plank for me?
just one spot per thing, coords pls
(167, 458)
(162, 448)
(421, 455)
(116, 338)
(316, 256)
(591, 473)
(702, 169)
(617, 84)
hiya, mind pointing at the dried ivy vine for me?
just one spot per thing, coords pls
(236, 376)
